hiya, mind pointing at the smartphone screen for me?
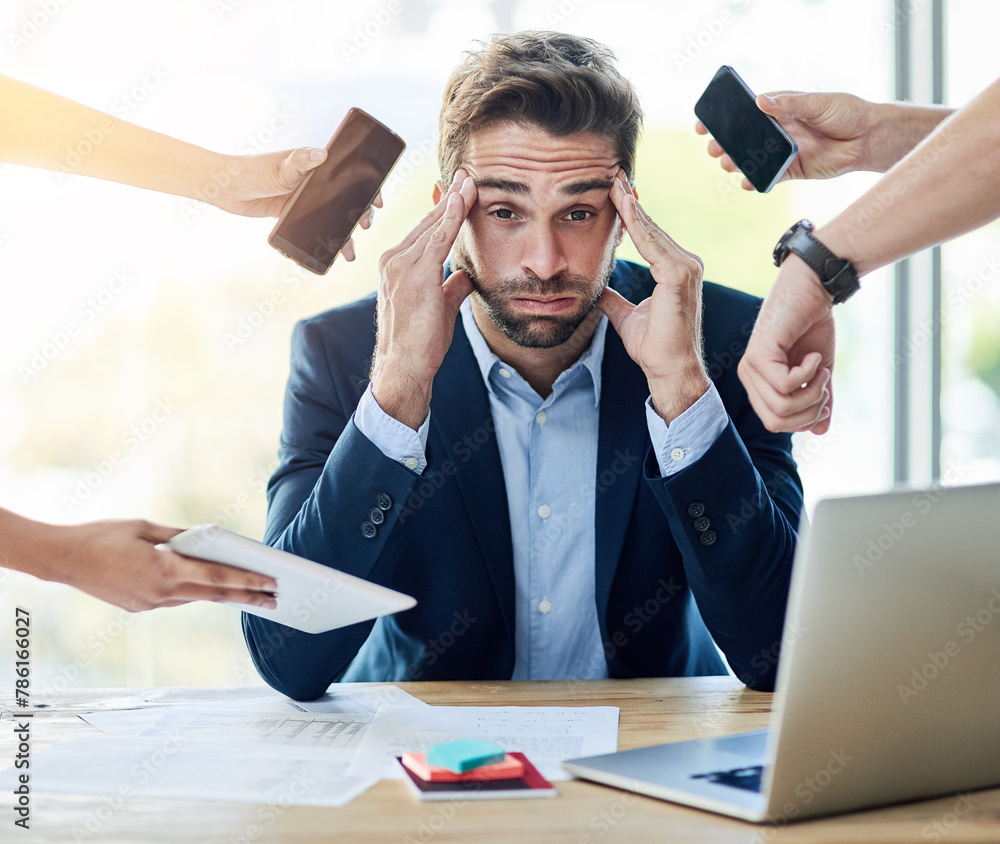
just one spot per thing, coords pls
(755, 141)
(320, 216)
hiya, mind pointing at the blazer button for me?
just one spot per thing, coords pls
(376, 516)
(696, 509)
(708, 537)
(383, 501)
(700, 525)
(368, 530)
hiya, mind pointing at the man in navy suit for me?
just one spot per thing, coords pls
(550, 450)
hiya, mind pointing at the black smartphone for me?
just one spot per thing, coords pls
(755, 141)
(322, 213)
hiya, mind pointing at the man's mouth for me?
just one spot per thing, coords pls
(544, 305)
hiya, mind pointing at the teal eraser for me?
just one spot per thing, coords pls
(464, 754)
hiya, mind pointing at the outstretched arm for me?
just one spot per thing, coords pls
(946, 186)
(117, 562)
(42, 129)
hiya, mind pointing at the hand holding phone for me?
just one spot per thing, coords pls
(755, 141)
(320, 216)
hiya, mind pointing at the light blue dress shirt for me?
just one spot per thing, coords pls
(548, 450)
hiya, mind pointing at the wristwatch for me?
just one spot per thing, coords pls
(837, 275)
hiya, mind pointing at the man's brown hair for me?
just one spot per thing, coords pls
(562, 83)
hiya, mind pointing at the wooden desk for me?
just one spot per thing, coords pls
(652, 711)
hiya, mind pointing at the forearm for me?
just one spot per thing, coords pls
(948, 185)
(739, 572)
(30, 546)
(51, 132)
(895, 129)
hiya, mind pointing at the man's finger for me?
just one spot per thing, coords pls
(436, 243)
(457, 287)
(616, 306)
(432, 218)
(189, 570)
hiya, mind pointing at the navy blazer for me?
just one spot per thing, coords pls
(661, 577)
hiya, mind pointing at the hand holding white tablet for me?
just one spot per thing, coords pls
(311, 597)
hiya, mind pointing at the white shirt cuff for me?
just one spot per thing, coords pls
(394, 439)
(682, 442)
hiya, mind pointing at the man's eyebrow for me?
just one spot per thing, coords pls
(578, 188)
(505, 185)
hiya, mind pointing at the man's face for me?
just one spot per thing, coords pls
(539, 242)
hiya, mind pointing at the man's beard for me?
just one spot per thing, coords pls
(536, 331)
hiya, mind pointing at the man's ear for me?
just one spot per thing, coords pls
(438, 192)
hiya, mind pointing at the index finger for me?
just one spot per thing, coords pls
(219, 575)
(439, 239)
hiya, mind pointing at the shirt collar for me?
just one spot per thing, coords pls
(591, 359)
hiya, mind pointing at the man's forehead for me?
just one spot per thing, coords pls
(507, 154)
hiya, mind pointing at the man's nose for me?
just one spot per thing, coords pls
(543, 255)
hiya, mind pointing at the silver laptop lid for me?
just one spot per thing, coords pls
(890, 672)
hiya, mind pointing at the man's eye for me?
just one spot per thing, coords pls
(579, 215)
(504, 214)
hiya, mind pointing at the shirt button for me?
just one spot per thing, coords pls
(696, 509)
(677, 455)
(504, 372)
(544, 605)
(368, 530)
(411, 463)
(540, 417)
(545, 511)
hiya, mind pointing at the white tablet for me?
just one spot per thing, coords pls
(311, 597)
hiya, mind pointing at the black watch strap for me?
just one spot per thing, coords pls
(837, 275)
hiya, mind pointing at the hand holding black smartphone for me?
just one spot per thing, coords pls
(755, 141)
(322, 213)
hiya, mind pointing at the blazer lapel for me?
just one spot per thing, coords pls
(622, 440)
(462, 428)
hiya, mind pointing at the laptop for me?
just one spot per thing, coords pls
(889, 682)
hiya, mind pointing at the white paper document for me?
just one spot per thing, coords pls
(338, 719)
(119, 768)
(260, 749)
(545, 734)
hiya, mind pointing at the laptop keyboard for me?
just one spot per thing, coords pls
(748, 778)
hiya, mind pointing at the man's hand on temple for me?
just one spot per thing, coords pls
(788, 363)
(662, 333)
(416, 312)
